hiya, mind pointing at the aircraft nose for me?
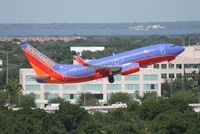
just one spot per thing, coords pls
(180, 49)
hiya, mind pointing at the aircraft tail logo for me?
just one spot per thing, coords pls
(42, 65)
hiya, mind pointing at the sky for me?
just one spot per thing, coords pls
(98, 11)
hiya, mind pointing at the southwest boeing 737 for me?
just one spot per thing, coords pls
(123, 63)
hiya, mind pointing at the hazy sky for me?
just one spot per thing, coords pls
(97, 11)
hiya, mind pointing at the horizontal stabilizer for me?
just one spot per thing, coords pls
(80, 60)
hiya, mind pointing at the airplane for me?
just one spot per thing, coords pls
(124, 63)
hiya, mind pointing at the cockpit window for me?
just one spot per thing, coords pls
(172, 46)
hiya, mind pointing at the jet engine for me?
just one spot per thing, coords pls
(130, 68)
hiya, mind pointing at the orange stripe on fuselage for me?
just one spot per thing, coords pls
(39, 72)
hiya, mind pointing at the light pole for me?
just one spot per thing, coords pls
(171, 88)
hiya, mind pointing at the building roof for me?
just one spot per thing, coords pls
(191, 52)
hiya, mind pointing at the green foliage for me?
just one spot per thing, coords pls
(120, 97)
(57, 100)
(71, 116)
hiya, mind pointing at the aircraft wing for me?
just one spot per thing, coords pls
(97, 67)
(109, 68)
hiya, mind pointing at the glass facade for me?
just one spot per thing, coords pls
(50, 87)
(113, 86)
(191, 66)
(179, 75)
(157, 66)
(69, 87)
(91, 87)
(132, 77)
(52, 96)
(163, 66)
(171, 66)
(37, 96)
(178, 66)
(117, 77)
(66, 96)
(132, 86)
(171, 75)
(163, 76)
(150, 86)
(151, 77)
(28, 78)
(69, 96)
(32, 87)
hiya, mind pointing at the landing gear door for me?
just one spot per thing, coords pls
(162, 50)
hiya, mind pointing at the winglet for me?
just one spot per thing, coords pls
(80, 60)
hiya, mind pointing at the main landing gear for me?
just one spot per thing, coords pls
(111, 78)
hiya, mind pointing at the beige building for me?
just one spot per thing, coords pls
(146, 81)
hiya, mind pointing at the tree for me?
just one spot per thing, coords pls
(120, 97)
(56, 100)
(71, 116)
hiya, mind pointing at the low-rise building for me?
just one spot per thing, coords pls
(146, 81)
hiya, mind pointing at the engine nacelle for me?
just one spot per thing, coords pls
(130, 68)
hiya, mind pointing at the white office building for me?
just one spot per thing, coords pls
(146, 81)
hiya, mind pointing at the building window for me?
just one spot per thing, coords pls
(91, 87)
(37, 96)
(50, 87)
(178, 66)
(69, 96)
(179, 75)
(171, 76)
(163, 66)
(132, 77)
(171, 66)
(113, 86)
(69, 87)
(99, 96)
(52, 96)
(151, 77)
(32, 87)
(150, 86)
(66, 96)
(157, 66)
(117, 77)
(28, 78)
(132, 86)
(163, 76)
(191, 66)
